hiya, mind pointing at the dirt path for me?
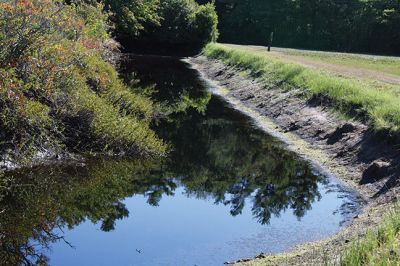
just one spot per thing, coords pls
(341, 70)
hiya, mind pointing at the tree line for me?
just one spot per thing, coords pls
(371, 26)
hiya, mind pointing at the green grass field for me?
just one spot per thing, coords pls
(384, 64)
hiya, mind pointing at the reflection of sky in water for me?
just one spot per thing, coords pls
(187, 231)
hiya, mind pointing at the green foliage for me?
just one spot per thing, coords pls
(133, 16)
(37, 113)
(184, 21)
(353, 25)
(177, 20)
(206, 23)
(56, 82)
(352, 97)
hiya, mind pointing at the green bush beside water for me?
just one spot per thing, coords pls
(58, 85)
(358, 99)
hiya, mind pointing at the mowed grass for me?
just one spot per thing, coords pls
(373, 103)
(383, 64)
(379, 247)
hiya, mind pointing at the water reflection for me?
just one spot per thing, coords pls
(171, 82)
(230, 163)
(217, 154)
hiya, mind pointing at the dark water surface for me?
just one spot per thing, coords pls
(226, 191)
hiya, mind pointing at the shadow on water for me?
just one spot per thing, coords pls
(218, 156)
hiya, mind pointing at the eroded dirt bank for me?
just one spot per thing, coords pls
(367, 161)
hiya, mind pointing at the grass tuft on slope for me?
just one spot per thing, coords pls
(378, 247)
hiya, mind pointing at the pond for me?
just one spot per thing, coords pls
(226, 191)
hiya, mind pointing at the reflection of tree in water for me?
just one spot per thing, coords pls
(42, 202)
(176, 87)
(231, 162)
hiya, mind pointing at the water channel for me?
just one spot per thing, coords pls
(226, 191)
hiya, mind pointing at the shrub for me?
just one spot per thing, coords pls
(185, 22)
(205, 24)
(55, 68)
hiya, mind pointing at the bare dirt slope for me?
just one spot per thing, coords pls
(370, 160)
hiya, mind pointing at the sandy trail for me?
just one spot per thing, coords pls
(341, 70)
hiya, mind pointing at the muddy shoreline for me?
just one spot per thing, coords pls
(350, 150)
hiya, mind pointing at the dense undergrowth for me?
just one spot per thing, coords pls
(59, 88)
(361, 100)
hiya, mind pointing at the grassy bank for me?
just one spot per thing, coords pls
(376, 104)
(380, 246)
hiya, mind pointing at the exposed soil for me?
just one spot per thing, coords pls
(370, 160)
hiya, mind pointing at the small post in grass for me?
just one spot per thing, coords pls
(213, 37)
(271, 38)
